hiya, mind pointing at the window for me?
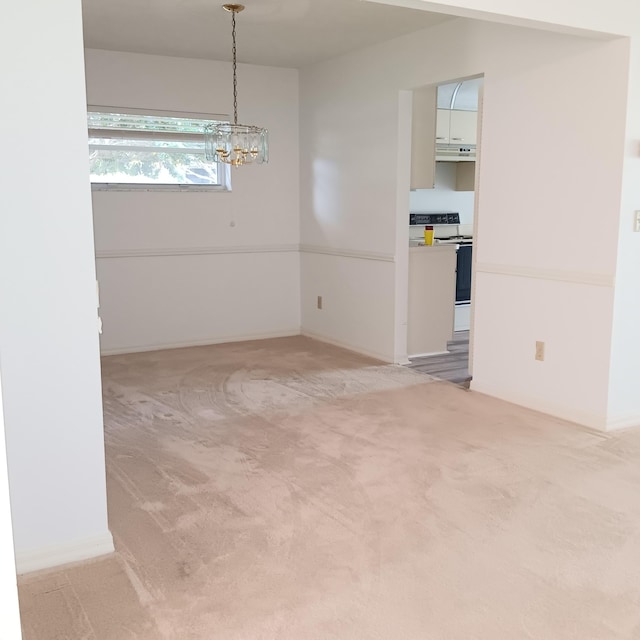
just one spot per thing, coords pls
(130, 149)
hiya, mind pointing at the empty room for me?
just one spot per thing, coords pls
(213, 226)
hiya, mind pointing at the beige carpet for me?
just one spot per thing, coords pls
(286, 490)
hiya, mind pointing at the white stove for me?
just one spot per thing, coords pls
(447, 230)
(462, 240)
(446, 227)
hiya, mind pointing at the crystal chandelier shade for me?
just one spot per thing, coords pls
(235, 144)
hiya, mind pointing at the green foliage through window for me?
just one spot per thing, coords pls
(145, 149)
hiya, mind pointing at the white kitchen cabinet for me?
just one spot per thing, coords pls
(432, 296)
(443, 124)
(432, 127)
(463, 127)
(456, 127)
(423, 134)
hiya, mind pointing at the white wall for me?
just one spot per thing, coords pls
(10, 618)
(181, 268)
(48, 318)
(570, 16)
(349, 200)
(624, 401)
(444, 196)
(356, 313)
(619, 17)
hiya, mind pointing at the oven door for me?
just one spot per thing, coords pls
(463, 274)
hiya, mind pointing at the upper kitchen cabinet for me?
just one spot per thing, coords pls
(456, 127)
(463, 127)
(462, 96)
(423, 138)
(445, 124)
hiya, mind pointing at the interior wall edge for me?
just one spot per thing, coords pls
(164, 346)
(376, 355)
(58, 555)
(628, 421)
(582, 418)
(355, 313)
(10, 619)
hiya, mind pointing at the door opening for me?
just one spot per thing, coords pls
(442, 228)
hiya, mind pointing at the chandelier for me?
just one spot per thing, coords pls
(235, 144)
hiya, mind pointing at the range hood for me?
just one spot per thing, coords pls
(453, 153)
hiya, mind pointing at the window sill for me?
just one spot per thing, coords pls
(158, 187)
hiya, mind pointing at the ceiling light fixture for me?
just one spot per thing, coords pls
(236, 144)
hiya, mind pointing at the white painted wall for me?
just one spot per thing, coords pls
(619, 17)
(349, 199)
(624, 400)
(571, 16)
(10, 618)
(48, 325)
(181, 268)
(444, 196)
(356, 312)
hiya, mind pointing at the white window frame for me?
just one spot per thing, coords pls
(224, 170)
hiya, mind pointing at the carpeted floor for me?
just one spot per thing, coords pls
(287, 490)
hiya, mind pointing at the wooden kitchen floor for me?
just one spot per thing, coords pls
(452, 366)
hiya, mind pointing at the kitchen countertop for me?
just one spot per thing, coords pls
(421, 246)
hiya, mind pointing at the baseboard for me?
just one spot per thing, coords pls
(582, 418)
(428, 354)
(376, 355)
(47, 557)
(629, 421)
(161, 346)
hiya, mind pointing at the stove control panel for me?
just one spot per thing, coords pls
(434, 218)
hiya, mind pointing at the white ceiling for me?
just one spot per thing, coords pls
(288, 33)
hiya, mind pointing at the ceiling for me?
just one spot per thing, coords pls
(287, 33)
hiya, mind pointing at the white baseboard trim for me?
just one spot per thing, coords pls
(629, 421)
(56, 555)
(162, 346)
(582, 418)
(376, 355)
(430, 353)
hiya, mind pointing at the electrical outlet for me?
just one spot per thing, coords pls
(636, 221)
(540, 351)
(319, 302)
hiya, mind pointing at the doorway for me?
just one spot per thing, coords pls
(442, 225)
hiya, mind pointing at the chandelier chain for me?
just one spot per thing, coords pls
(232, 143)
(235, 70)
